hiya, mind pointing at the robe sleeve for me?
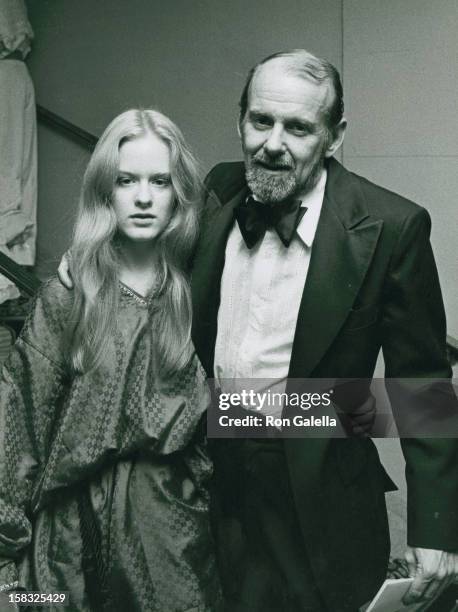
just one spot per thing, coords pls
(32, 383)
(184, 399)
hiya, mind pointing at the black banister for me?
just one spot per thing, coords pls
(24, 280)
(65, 126)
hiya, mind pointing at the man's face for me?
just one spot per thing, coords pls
(283, 133)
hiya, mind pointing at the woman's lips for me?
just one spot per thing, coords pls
(140, 219)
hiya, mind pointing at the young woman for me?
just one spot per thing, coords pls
(102, 471)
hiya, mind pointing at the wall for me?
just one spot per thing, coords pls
(401, 81)
(92, 60)
(401, 87)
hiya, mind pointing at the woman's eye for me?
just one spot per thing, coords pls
(124, 181)
(160, 182)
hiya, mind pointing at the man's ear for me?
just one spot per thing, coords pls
(239, 126)
(338, 135)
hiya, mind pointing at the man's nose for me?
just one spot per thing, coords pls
(274, 144)
(143, 197)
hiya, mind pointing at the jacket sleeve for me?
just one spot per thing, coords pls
(414, 341)
(31, 385)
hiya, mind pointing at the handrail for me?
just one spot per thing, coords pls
(70, 129)
(27, 282)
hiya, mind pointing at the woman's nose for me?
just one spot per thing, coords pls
(143, 196)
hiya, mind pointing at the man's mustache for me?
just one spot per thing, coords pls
(278, 163)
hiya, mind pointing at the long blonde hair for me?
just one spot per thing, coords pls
(94, 255)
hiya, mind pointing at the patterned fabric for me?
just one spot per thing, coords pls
(136, 445)
(6, 341)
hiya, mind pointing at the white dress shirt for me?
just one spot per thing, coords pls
(261, 291)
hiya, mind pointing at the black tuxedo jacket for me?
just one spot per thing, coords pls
(372, 284)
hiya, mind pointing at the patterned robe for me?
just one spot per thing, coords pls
(135, 446)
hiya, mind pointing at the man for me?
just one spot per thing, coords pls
(301, 524)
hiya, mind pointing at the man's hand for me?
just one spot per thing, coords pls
(64, 270)
(362, 418)
(432, 570)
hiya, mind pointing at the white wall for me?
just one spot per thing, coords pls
(401, 81)
(400, 74)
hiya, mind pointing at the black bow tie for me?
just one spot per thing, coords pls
(255, 217)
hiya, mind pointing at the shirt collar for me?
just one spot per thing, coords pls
(313, 200)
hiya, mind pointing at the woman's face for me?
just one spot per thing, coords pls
(143, 197)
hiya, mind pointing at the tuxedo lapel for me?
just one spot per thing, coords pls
(207, 272)
(342, 251)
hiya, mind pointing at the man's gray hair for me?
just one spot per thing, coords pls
(308, 66)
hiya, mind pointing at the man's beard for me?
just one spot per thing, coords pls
(273, 188)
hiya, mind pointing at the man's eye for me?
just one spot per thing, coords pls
(262, 122)
(299, 129)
